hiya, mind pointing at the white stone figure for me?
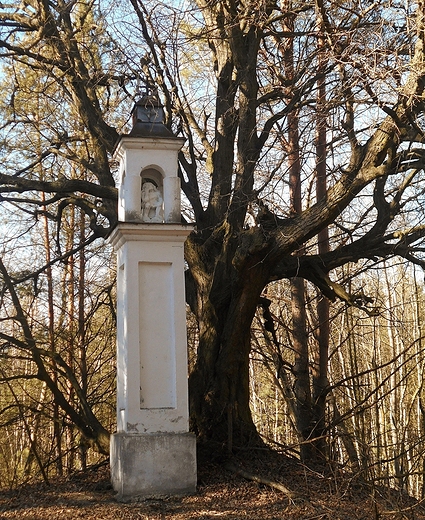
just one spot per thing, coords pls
(151, 203)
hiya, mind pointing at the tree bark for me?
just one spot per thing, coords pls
(301, 368)
(320, 366)
(219, 382)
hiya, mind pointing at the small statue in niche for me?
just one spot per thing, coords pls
(151, 203)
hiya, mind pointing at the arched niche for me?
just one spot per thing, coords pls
(168, 190)
(152, 195)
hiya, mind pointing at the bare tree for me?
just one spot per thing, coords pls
(233, 162)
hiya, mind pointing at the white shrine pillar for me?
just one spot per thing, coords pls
(152, 452)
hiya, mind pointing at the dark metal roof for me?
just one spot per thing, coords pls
(141, 129)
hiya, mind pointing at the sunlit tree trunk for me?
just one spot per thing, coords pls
(395, 421)
(82, 358)
(321, 355)
(57, 434)
(70, 330)
(420, 409)
(301, 370)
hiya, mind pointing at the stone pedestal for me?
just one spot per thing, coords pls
(153, 464)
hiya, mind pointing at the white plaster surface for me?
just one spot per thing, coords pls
(151, 328)
(136, 154)
(157, 336)
(172, 200)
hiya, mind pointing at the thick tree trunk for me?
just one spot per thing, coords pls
(219, 383)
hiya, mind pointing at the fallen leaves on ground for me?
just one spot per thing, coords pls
(221, 494)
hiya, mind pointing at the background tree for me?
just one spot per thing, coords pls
(234, 163)
(57, 323)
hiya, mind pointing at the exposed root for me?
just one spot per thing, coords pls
(262, 480)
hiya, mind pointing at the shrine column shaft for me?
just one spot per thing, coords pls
(152, 451)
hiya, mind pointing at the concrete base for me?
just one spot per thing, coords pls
(143, 465)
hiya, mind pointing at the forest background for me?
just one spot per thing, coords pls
(303, 169)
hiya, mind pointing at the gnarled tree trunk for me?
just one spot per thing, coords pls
(224, 303)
